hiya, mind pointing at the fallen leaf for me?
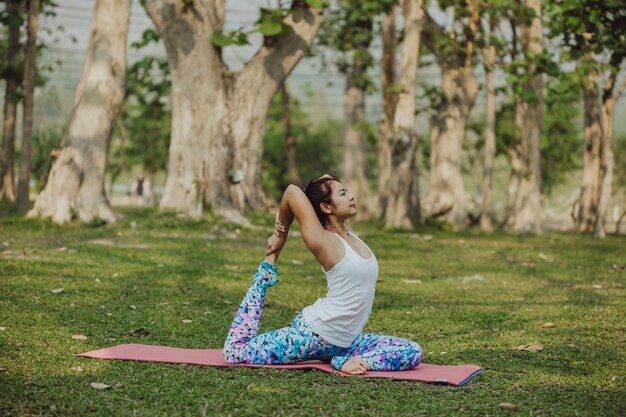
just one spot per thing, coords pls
(139, 332)
(186, 321)
(545, 257)
(548, 325)
(412, 281)
(109, 314)
(79, 336)
(476, 277)
(57, 290)
(530, 347)
(508, 406)
(132, 307)
(4, 370)
(619, 267)
(2, 329)
(99, 385)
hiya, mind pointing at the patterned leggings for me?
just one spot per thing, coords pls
(299, 342)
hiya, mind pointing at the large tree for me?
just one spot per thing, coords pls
(453, 49)
(524, 190)
(390, 100)
(401, 203)
(30, 77)
(11, 73)
(218, 116)
(75, 186)
(489, 53)
(594, 33)
(350, 29)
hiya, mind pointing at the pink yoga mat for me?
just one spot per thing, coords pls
(453, 375)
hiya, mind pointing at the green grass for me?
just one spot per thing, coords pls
(173, 269)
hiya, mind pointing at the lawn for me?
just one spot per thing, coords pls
(467, 298)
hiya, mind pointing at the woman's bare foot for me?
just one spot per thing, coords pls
(356, 366)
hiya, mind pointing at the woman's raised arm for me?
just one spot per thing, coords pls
(295, 203)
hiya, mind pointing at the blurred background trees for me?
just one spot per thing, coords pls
(455, 112)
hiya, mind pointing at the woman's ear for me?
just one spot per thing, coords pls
(326, 208)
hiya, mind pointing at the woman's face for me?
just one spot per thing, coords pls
(343, 203)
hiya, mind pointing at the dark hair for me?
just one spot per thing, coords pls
(319, 191)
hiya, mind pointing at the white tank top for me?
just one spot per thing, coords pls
(341, 315)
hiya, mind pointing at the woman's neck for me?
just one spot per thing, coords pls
(336, 226)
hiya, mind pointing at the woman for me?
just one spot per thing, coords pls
(330, 329)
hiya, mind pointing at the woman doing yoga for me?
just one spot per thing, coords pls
(330, 329)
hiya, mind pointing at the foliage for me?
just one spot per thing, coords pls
(45, 143)
(561, 135)
(142, 137)
(7, 20)
(348, 30)
(596, 26)
(318, 147)
(270, 23)
(520, 59)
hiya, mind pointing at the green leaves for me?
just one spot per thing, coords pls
(148, 36)
(222, 40)
(316, 4)
(271, 22)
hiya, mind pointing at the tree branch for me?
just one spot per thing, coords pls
(279, 55)
(431, 32)
(609, 94)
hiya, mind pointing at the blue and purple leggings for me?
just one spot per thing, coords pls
(299, 342)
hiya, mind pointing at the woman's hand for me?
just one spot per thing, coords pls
(279, 228)
(275, 243)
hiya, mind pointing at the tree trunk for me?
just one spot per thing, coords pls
(76, 182)
(23, 200)
(590, 184)
(606, 167)
(218, 118)
(446, 198)
(7, 154)
(390, 100)
(354, 156)
(402, 206)
(490, 133)
(525, 183)
(290, 143)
